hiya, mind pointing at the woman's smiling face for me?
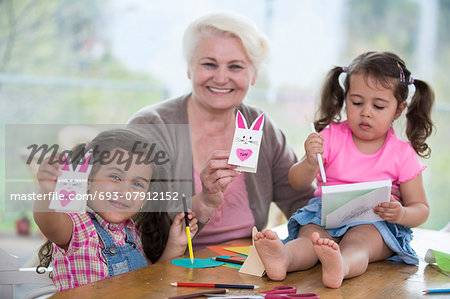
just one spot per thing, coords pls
(221, 73)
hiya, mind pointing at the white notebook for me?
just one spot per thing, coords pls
(343, 204)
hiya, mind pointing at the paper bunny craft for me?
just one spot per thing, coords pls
(71, 185)
(246, 144)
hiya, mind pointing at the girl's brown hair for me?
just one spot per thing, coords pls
(389, 70)
(131, 142)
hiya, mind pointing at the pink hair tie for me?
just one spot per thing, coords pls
(344, 69)
(411, 80)
(402, 73)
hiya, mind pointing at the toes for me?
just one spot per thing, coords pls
(259, 235)
(270, 234)
(335, 245)
(330, 243)
(316, 240)
(315, 237)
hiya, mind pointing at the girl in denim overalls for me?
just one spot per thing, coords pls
(103, 242)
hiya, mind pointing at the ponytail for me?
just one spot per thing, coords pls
(45, 256)
(332, 100)
(419, 125)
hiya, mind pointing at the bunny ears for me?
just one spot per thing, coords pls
(242, 123)
(84, 166)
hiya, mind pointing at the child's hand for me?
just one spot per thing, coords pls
(392, 211)
(313, 146)
(193, 223)
(177, 241)
(47, 174)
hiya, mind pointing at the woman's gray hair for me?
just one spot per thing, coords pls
(227, 24)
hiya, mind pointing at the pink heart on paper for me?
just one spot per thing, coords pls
(243, 154)
(67, 197)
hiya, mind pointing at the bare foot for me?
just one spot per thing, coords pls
(330, 256)
(272, 253)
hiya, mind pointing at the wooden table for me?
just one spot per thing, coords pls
(382, 280)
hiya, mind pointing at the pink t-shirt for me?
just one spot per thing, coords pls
(83, 261)
(233, 219)
(345, 164)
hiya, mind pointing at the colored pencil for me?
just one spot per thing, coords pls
(214, 285)
(221, 259)
(205, 293)
(436, 291)
(188, 230)
(319, 158)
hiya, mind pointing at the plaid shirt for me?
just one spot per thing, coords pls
(83, 261)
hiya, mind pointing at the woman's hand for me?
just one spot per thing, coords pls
(177, 242)
(313, 146)
(392, 211)
(216, 175)
(47, 174)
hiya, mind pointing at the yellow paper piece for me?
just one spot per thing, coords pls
(242, 250)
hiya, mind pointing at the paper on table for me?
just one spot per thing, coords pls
(221, 249)
(253, 265)
(242, 250)
(442, 259)
(343, 204)
(198, 263)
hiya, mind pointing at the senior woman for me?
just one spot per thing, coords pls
(224, 52)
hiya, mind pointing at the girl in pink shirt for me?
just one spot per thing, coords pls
(104, 241)
(362, 148)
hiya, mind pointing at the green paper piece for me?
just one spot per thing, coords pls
(233, 266)
(442, 259)
(198, 263)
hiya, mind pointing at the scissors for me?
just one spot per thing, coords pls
(279, 292)
(287, 292)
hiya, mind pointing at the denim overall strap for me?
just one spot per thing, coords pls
(123, 258)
